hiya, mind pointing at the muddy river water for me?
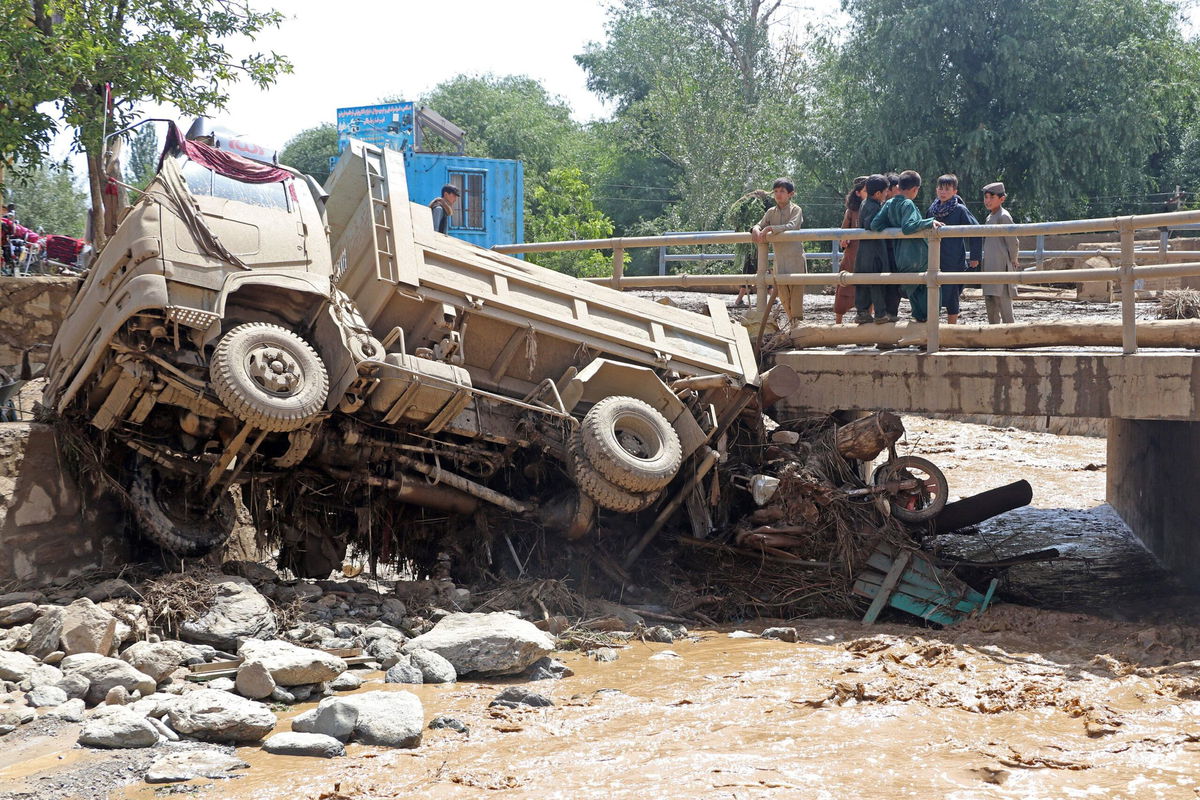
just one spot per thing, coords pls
(1022, 705)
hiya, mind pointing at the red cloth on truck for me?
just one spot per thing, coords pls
(228, 164)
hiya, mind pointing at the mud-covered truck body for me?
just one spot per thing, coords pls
(358, 374)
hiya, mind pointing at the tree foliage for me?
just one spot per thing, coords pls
(175, 53)
(1069, 103)
(509, 116)
(310, 150)
(561, 208)
(48, 196)
(700, 86)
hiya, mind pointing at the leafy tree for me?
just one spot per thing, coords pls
(143, 156)
(148, 50)
(33, 76)
(1068, 102)
(699, 85)
(509, 116)
(561, 208)
(310, 150)
(48, 196)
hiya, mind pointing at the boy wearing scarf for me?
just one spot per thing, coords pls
(950, 209)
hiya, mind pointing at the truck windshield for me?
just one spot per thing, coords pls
(203, 181)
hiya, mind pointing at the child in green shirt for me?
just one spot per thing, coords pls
(911, 254)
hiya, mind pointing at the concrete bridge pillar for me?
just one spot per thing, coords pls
(1154, 484)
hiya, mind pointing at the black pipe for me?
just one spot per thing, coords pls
(985, 505)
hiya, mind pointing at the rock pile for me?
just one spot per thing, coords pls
(110, 658)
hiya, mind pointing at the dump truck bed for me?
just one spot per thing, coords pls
(519, 323)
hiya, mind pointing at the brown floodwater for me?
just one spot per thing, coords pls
(1011, 707)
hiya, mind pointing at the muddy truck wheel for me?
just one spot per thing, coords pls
(269, 377)
(604, 492)
(168, 515)
(631, 444)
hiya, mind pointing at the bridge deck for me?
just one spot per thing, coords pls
(1153, 385)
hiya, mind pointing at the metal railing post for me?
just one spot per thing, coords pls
(662, 260)
(934, 299)
(761, 279)
(1039, 254)
(618, 267)
(835, 256)
(1128, 292)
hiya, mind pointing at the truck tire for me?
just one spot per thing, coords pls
(631, 444)
(168, 517)
(919, 505)
(269, 377)
(312, 556)
(604, 492)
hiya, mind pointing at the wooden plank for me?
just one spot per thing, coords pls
(889, 582)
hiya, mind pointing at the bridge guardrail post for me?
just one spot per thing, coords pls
(1128, 291)
(934, 292)
(618, 262)
(761, 280)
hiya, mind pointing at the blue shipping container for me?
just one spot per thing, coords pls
(491, 201)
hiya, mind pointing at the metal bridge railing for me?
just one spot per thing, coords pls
(1125, 274)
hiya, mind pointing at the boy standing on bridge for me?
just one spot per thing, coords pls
(950, 209)
(784, 216)
(1000, 254)
(911, 254)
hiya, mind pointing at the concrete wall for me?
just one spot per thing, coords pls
(1152, 471)
(48, 529)
(31, 310)
(1149, 385)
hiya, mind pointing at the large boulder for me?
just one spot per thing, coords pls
(484, 644)
(291, 665)
(46, 632)
(118, 727)
(16, 667)
(18, 614)
(304, 744)
(434, 668)
(254, 680)
(216, 716)
(87, 628)
(191, 764)
(160, 659)
(104, 673)
(387, 719)
(237, 612)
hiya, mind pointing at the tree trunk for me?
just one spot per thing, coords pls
(96, 181)
(1082, 333)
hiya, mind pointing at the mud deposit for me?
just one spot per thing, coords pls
(1020, 704)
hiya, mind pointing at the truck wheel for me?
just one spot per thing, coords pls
(924, 502)
(269, 377)
(604, 492)
(631, 444)
(168, 515)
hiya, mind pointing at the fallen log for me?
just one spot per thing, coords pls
(865, 438)
(985, 505)
(1079, 333)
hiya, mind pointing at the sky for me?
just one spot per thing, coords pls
(355, 52)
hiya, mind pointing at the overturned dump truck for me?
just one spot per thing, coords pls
(354, 372)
